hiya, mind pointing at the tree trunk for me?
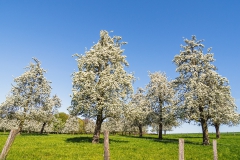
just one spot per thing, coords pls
(161, 120)
(217, 130)
(21, 126)
(8, 143)
(205, 132)
(165, 132)
(44, 124)
(96, 134)
(140, 130)
(160, 131)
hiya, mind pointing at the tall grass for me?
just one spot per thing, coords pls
(73, 147)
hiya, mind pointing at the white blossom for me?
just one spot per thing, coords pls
(199, 86)
(29, 97)
(138, 110)
(101, 85)
(90, 125)
(160, 94)
(71, 125)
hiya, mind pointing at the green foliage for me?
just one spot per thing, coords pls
(81, 126)
(68, 147)
(63, 116)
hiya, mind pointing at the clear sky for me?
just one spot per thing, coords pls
(53, 31)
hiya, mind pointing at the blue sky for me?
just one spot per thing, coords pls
(53, 31)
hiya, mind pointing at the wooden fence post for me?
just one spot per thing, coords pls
(106, 146)
(181, 149)
(8, 143)
(215, 156)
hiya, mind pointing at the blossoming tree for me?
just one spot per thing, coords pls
(112, 125)
(71, 125)
(101, 86)
(200, 90)
(28, 95)
(161, 97)
(138, 110)
(46, 114)
(224, 110)
(89, 126)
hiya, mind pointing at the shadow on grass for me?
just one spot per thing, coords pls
(24, 134)
(175, 141)
(133, 136)
(186, 136)
(4, 134)
(169, 140)
(33, 134)
(89, 140)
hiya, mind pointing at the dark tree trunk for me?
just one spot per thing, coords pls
(43, 126)
(205, 132)
(217, 126)
(160, 131)
(140, 130)
(21, 126)
(160, 136)
(96, 134)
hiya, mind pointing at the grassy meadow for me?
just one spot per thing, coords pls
(74, 147)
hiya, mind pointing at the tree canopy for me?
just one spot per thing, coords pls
(199, 86)
(101, 85)
(29, 94)
(160, 95)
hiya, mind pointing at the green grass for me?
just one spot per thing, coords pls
(73, 147)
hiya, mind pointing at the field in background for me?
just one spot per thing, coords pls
(73, 147)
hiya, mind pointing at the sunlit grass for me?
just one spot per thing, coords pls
(72, 147)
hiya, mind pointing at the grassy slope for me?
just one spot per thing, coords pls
(73, 147)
